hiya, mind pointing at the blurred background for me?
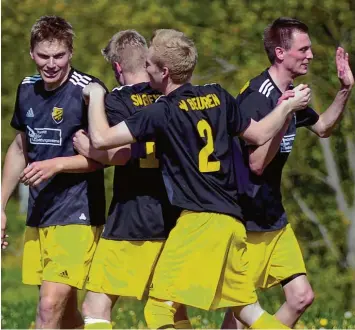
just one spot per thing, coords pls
(319, 179)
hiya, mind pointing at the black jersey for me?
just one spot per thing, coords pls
(193, 127)
(49, 120)
(262, 199)
(140, 209)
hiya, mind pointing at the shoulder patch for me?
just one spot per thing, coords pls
(266, 87)
(79, 79)
(31, 79)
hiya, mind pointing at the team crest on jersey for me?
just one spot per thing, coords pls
(57, 115)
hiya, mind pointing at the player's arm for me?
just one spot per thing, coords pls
(39, 171)
(15, 162)
(260, 132)
(115, 156)
(260, 157)
(103, 136)
(328, 119)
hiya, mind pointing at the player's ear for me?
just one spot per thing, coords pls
(31, 54)
(118, 68)
(280, 53)
(165, 72)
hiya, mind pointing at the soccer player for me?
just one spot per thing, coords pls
(275, 256)
(140, 215)
(66, 205)
(204, 261)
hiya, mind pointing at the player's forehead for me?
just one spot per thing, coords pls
(51, 47)
(300, 39)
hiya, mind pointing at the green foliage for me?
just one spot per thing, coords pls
(228, 37)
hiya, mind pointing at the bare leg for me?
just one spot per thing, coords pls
(72, 318)
(299, 295)
(52, 303)
(231, 322)
(181, 319)
(98, 305)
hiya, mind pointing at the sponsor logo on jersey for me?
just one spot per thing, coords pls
(47, 136)
(287, 143)
(57, 115)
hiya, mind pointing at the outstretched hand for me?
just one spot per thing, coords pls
(345, 75)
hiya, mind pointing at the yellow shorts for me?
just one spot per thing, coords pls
(59, 254)
(274, 256)
(204, 263)
(123, 268)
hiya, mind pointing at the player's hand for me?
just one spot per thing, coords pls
(81, 143)
(4, 242)
(90, 89)
(37, 172)
(301, 98)
(345, 75)
(286, 96)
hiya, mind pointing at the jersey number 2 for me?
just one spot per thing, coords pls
(149, 161)
(205, 131)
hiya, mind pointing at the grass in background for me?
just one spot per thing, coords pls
(18, 301)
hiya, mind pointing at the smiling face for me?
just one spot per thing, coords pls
(52, 59)
(297, 58)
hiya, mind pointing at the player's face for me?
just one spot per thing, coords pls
(154, 72)
(53, 62)
(298, 57)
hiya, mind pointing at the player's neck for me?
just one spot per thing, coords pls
(136, 78)
(170, 87)
(281, 77)
(52, 87)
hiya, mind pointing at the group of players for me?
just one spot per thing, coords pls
(196, 217)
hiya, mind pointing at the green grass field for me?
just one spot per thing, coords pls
(19, 300)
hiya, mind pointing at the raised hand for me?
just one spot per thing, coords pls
(345, 75)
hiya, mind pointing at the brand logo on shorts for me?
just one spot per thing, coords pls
(82, 217)
(57, 115)
(64, 274)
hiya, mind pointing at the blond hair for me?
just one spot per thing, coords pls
(129, 49)
(172, 49)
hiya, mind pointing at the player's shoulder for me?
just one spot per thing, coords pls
(208, 88)
(79, 79)
(28, 83)
(31, 80)
(261, 87)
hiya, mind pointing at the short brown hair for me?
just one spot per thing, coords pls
(49, 28)
(279, 34)
(174, 50)
(129, 49)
